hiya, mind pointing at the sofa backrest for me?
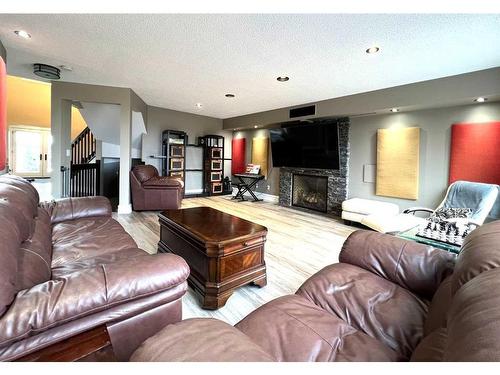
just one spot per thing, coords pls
(464, 315)
(144, 172)
(25, 239)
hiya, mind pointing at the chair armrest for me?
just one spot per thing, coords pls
(413, 266)
(200, 340)
(77, 208)
(412, 210)
(164, 182)
(90, 291)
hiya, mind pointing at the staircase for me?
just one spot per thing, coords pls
(85, 171)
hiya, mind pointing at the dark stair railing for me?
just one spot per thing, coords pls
(85, 172)
(83, 148)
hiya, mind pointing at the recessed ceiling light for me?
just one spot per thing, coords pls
(229, 95)
(373, 49)
(256, 126)
(23, 34)
(394, 110)
(199, 105)
(282, 79)
(480, 99)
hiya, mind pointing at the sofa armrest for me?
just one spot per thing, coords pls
(77, 208)
(413, 266)
(90, 291)
(200, 340)
(164, 182)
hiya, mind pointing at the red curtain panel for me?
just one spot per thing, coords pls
(3, 114)
(475, 152)
(238, 162)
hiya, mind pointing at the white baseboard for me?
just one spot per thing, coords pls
(124, 209)
(265, 197)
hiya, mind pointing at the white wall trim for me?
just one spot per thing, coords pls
(266, 197)
(124, 209)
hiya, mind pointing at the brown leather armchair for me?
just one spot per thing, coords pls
(387, 299)
(68, 269)
(150, 191)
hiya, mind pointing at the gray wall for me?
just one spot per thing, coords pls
(3, 52)
(437, 93)
(159, 119)
(435, 127)
(271, 184)
(62, 93)
(434, 149)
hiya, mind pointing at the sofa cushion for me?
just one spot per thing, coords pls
(392, 223)
(19, 199)
(480, 252)
(77, 240)
(23, 184)
(35, 254)
(290, 328)
(182, 341)
(432, 347)
(10, 238)
(409, 264)
(369, 206)
(369, 303)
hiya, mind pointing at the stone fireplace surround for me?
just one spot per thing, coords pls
(337, 179)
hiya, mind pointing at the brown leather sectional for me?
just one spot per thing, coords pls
(387, 300)
(67, 267)
(150, 191)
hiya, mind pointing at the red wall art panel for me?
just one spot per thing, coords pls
(475, 152)
(3, 114)
(238, 160)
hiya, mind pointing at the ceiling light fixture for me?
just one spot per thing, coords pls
(46, 71)
(282, 79)
(199, 105)
(229, 95)
(394, 110)
(22, 34)
(256, 126)
(373, 49)
(480, 99)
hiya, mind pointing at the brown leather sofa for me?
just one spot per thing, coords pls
(387, 300)
(152, 192)
(67, 267)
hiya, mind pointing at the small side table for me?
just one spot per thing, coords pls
(411, 235)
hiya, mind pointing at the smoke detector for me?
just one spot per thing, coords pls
(46, 71)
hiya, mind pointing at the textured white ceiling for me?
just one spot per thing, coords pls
(175, 61)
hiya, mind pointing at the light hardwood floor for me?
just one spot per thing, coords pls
(298, 245)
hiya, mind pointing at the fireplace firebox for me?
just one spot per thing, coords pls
(310, 192)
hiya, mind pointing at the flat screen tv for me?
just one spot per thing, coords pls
(306, 146)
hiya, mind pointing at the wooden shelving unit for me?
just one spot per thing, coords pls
(213, 163)
(174, 152)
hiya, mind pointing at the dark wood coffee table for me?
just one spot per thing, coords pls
(223, 251)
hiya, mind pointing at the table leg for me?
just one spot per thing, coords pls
(260, 282)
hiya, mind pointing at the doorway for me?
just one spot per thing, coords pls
(30, 151)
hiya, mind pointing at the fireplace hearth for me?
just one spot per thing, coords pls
(310, 192)
(311, 197)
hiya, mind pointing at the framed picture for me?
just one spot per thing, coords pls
(216, 188)
(176, 164)
(177, 151)
(216, 165)
(216, 153)
(215, 176)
